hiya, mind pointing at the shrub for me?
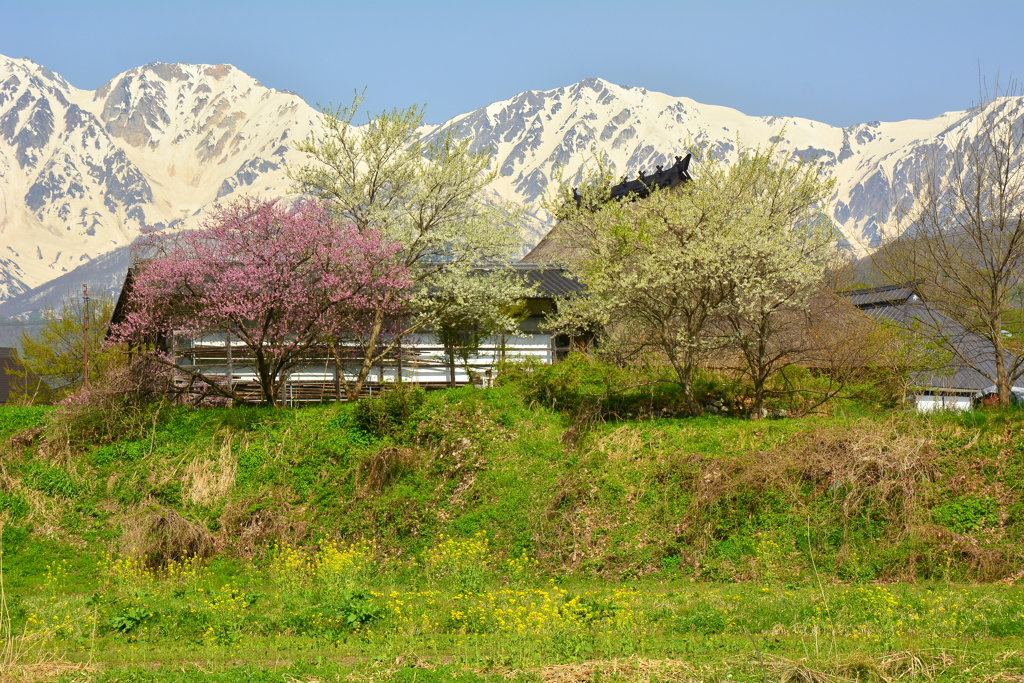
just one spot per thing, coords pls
(591, 389)
(159, 536)
(390, 412)
(125, 402)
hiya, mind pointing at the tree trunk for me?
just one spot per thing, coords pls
(399, 378)
(369, 352)
(1002, 376)
(227, 351)
(758, 380)
(691, 399)
(266, 380)
(685, 374)
(450, 351)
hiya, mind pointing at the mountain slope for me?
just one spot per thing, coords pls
(84, 171)
(636, 130)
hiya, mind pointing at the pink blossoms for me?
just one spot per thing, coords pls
(282, 280)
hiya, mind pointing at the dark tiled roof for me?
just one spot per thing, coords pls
(552, 281)
(903, 306)
(890, 294)
(549, 249)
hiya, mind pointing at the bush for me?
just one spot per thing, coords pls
(390, 412)
(159, 536)
(126, 402)
(591, 389)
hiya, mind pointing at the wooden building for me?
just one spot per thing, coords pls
(15, 379)
(418, 359)
(965, 380)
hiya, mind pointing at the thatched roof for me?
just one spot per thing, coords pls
(552, 248)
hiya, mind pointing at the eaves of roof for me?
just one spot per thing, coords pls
(971, 349)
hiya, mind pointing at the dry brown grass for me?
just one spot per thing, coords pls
(879, 465)
(630, 669)
(25, 438)
(376, 472)
(208, 480)
(159, 535)
(788, 671)
(250, 526)
(39, 672)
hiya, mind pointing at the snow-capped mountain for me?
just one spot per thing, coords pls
(81, 172)
(637, 130)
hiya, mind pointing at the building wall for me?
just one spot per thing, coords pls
(422, 360)
(927, 403)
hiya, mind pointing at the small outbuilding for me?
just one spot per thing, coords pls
(966, 380)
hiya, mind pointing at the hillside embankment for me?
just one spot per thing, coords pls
(856, 496)
(562, 528)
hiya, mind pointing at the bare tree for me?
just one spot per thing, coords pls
(964, 238)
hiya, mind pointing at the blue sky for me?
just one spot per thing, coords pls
(837, 62)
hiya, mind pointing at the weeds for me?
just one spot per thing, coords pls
(350, 601)
(470, 528)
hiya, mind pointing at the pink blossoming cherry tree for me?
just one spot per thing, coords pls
(282, 279)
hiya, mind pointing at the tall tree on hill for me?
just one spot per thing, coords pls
(964, 239)
(428, 197)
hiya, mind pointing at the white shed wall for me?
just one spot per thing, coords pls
(927, 403)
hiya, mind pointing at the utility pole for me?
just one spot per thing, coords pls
(85, 297)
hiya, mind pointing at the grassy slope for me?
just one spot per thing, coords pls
(846, 499)
(907, 497)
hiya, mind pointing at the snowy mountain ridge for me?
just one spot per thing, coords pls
(82, 172)
(638, 130)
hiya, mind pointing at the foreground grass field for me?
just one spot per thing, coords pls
(551, 529)
(335, 611)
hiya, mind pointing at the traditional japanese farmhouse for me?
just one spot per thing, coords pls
(961, 384)
(419, 358)
(552, 248)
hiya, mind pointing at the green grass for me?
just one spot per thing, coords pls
(462, 610)
(618, 498)
(695, 542)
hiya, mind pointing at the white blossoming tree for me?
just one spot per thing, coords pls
(428, 196)
(787, 245)
(722, 262)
